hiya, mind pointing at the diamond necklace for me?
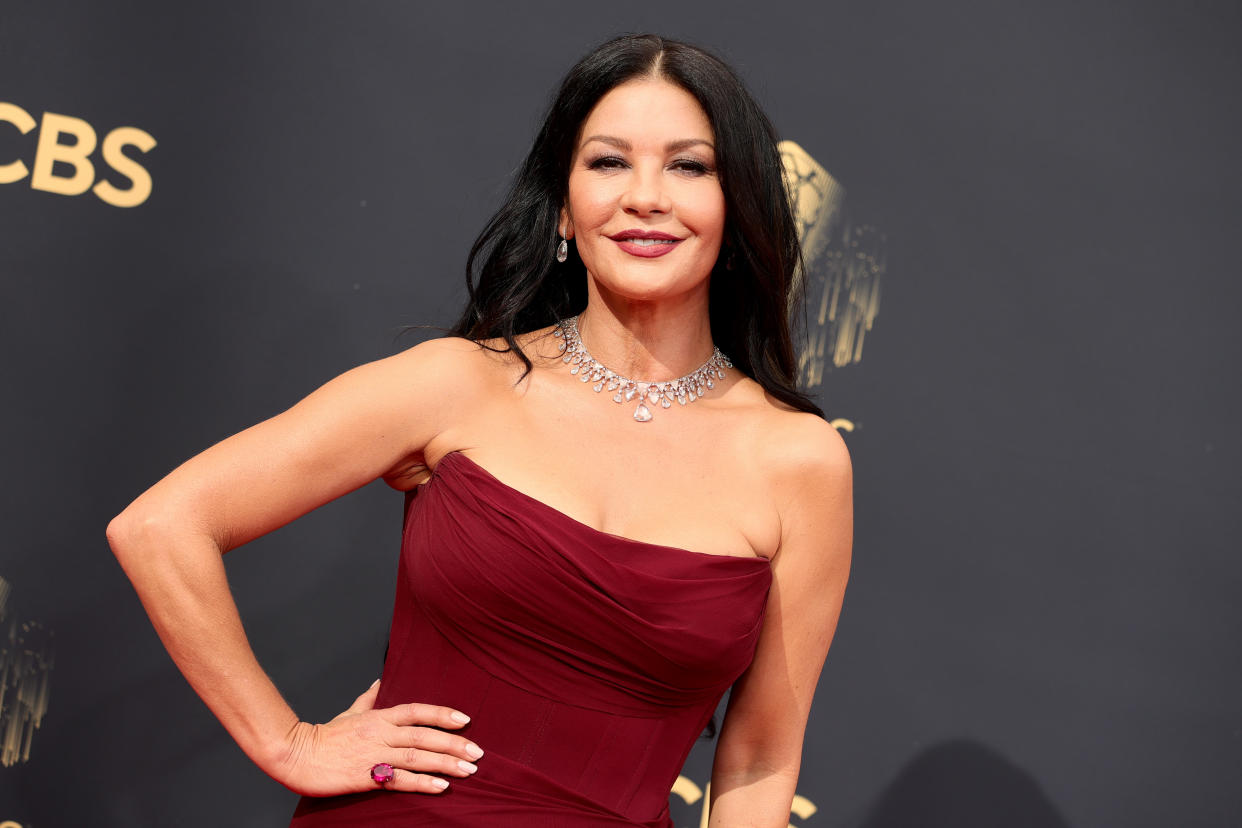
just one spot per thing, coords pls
(589, 369)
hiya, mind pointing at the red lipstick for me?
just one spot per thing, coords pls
(647, 244)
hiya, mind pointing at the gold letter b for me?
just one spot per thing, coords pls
(51, 150)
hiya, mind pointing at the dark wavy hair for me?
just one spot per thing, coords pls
(515, 285)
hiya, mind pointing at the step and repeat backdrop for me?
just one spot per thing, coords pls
(1020, 223)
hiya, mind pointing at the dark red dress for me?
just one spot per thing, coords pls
(589, 663)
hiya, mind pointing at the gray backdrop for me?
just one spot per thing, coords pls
(1043, 622)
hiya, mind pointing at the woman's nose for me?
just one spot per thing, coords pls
(645, 193)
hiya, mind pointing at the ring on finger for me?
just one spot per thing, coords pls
(382, 773)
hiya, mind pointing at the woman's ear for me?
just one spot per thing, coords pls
(565, 225)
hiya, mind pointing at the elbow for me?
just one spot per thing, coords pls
(137, 529)
(117, 532)
(121, 533)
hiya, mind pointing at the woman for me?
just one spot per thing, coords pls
(580, 581)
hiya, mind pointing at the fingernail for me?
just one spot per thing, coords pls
(377, 681)
(474, 750)
(439, 783)
(467, 766)
(460, 718)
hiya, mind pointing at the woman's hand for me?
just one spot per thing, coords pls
(337, 757)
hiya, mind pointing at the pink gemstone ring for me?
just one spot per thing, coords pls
(382, 773)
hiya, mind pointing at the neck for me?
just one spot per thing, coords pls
(647, 341)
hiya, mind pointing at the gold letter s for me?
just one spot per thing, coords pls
(113, 142)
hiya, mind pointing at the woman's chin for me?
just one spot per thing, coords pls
(644, 289)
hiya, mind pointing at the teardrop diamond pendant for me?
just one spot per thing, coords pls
(685, 389)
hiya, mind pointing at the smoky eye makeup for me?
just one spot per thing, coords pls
(689, 165)
(696, 166)
(603, 161)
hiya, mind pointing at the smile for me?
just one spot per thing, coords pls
(647, 248)
(646, 244)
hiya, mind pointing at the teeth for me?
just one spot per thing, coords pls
(649, 242)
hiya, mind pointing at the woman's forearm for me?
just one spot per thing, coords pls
(751, 799)
(179, 576)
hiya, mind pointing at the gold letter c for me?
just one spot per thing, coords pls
(16, 170)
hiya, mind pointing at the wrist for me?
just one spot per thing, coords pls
(275, 746)
(284, 751)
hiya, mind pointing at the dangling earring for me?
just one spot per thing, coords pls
(562, 251)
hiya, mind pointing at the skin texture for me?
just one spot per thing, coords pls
(760, 479)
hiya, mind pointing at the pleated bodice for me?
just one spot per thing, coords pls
(588, 662)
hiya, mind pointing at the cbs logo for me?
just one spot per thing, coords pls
(53, 150)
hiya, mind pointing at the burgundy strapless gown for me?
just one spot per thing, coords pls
(589, 663)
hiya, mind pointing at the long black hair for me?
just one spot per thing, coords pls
(515, 285)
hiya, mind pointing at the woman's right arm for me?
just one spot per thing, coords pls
(370, 422)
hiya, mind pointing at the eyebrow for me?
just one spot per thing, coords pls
(671, 146)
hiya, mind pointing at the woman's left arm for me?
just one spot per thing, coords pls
(760, 748)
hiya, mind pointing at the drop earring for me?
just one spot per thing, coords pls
(562, 251)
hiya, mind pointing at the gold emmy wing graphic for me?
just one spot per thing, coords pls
(25, 674)
(843, 265)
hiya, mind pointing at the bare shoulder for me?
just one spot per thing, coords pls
(792, 447)
(444, 354)
(484, 360)
(394, 385)
(450, 372)
(450, 366)
(539, 346)
(805, 446)
(808, 474)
